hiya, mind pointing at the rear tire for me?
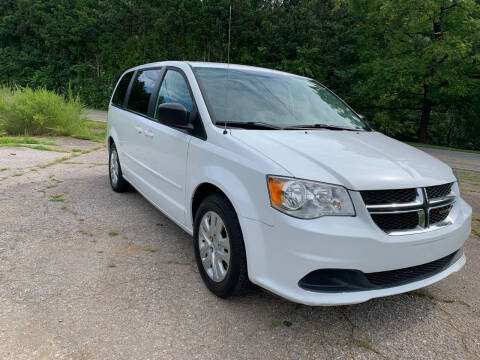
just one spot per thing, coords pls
(219, 247)
(118, 183)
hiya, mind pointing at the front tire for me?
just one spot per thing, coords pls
(118, 183)
(219, 247)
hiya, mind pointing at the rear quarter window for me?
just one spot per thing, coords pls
(121, 90)
(142, 89)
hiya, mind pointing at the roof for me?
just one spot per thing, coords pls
(211, 65)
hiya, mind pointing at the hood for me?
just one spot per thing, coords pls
(357, 160)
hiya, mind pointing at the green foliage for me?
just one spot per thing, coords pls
(40, 112)
(418, 62)
(412, 67)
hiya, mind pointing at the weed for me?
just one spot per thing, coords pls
(76, 150)
(364, 344)
(275, 324)
(17, 174)
(148, 249)
(57, 198)
(476, 231)
(4, 169)
(40, 147)
(39, 112)
(63, 207)
(468, 176)
(422, 293)
(112, 265)
(52, 186)
(84, 232)
(113, 233)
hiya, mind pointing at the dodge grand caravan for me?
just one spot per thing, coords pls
(282, 184)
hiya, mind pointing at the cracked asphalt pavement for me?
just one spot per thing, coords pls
(86, 273)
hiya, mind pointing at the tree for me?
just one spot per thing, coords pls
(416, 56)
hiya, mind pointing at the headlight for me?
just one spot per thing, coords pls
(308, 199)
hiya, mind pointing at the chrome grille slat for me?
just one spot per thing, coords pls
(428, 210)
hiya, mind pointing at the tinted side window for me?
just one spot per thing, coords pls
(121, 89)
(142, 88)
(174, 89)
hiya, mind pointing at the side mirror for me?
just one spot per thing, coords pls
(173, 114)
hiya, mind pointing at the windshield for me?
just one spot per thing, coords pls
(280, 100)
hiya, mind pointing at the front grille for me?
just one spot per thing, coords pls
(382, 197)
(438, 191)
(439, 214)
(396, 221)
(410, 210)
(410, 274)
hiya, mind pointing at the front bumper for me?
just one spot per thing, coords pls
(279, 256)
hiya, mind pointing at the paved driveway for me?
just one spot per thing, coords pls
(96, 115)
(456, 159)
(86, 273)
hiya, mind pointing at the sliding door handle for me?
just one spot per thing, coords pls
(139, 129)
(148, 133)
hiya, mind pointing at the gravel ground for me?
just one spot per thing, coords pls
(86, 273)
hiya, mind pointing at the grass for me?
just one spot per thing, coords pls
(76, 150)
(40, 147)
(34, 112)
(4, 169)
(148, 249)
(113, 233)
(57, 198)
(94, 131)
(31, 143)
(468, 176)
(25, 140)
(441, 147)
(422, 293)
(364, 344)
(112, 265)
(84, 232)
(275, 324)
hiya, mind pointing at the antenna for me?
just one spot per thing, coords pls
(229, 30)
(228, 63)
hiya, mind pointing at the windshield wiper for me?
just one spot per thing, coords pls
(320, 126)
(249, 125)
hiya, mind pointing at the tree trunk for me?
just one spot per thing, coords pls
(425, 119)
(450, 129)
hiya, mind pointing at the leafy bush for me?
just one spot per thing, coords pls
(24, 111)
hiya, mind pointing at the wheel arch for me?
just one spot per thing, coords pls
(201, 192)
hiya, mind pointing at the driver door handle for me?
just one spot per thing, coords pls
(139, 129)
(148, 133)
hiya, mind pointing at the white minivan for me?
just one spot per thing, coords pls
(283, 185)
